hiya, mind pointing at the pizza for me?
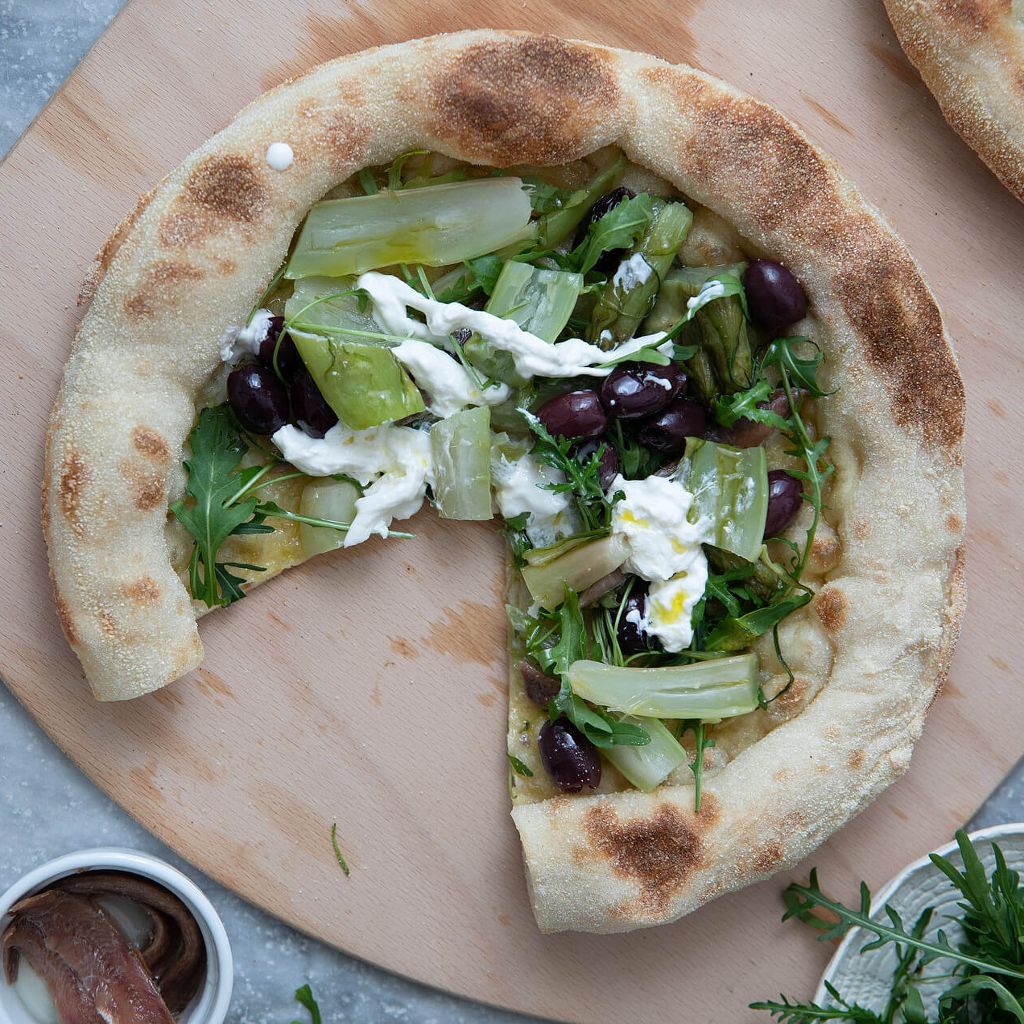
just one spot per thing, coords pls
(970, 54)
(623, 310)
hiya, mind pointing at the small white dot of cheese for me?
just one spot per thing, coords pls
(280, 156)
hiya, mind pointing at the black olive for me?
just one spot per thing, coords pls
(667, 432)
(310, 411)
(576, 414)
(609, 459)
(775, 297)
(258, 398)
(785, 495)
(640, 389)
(571, 759)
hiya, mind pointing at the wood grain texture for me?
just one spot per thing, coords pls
(368, 688)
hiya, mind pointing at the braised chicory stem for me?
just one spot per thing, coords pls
(630, 293)
(762, 580)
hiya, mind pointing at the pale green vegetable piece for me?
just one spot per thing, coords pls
(437, 225)
(334, 500)
(730, 488)
(461, 446)
(539, 300)
(626, 300)
(579, 567)
(363, 383)
(709, 690)
(647, 766)
(330, 305)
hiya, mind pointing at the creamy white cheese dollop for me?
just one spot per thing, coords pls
(670, 606)
(236, 342)
(710, 291)
(632, 273)
(533, 356)
(395, 462)
(521, 485)
(447, 383)
(654, 519)
(280, 156)
(664, 548)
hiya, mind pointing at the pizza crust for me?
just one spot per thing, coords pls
(200, 252)
(970, 54)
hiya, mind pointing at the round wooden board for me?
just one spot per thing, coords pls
(367, 688)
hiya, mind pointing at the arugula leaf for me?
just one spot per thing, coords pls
(738, 632)
(572, 640)
(635, 461)
(745, 405)
(519, 768)
(620, 228)
(484, 271)
(304, 996)
(545, 197)
(802, 372)
(337, 850)
(786, 1012)
(214, 484)
(649, 354)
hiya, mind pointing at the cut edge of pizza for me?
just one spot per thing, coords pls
(554, 273)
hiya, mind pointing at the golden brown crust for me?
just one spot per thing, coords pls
(970, 54)
(871, 647)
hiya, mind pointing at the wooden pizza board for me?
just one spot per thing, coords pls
(368, 688)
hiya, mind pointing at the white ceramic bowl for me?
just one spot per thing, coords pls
(210, 1006)
(864, 978)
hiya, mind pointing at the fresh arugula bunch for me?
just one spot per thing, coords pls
(984, 970)
(222, 502)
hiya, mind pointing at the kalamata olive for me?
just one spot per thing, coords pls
(571, 759)
(667, 432)
(288, 359)
(607, 261)
(310, 411)
(631, 632)
(577, 414)
(640, 389)
(776, 298)
(609, 459)
(746, 433)
(258, 398)
(540, 687)
(785, 495)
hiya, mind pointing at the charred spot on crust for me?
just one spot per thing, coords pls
(158, 288)
(659, 851)
(768, 856)
(975, 16)
(954, 523)
(73, 477)
(149, 442)
(229, 186)
(147, 486)
(831, 608)
(144, 590)
(67, 623)
(856, 760)
(527, 100)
